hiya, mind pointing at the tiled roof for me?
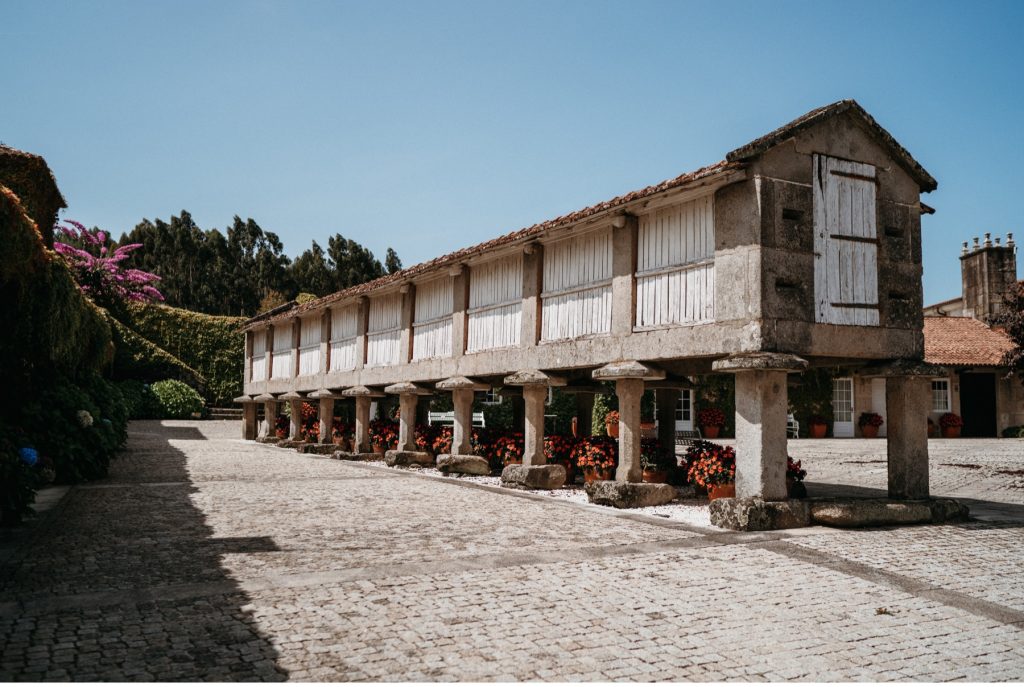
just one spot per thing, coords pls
(925, 181)
(963, 341)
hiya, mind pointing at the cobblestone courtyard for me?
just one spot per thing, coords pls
(205, 557)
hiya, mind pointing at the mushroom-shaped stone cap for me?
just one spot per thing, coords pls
(743, 362)
(453, 383)
(323, 393)
(534, 378)
(243, 399)
(407, 388)
(362, 391)
(628, 369)
(265, 398)
(293, 396)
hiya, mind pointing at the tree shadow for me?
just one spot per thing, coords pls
(123, 581)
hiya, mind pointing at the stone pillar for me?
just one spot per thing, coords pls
(666, 400)
(362, 324)
(407, 422)
(460, 306)
(533, 276)
(761, 444)
(249, 429)
(295, 413)
(584, 414)
(405, 351)
(629, 392)
(361, 440)
(462, 430)
(269, 418)
(624, 240)
(326, 419)
(907, 403)
(761, 408)
(533, 430)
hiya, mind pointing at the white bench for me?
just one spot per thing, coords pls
(449, 419)
(792, 427)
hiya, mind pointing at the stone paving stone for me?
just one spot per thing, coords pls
(203, 557)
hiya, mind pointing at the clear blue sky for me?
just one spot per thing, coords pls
(429, 126)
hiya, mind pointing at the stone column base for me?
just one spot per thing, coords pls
(882, 512)
(533, 476)
(629, 494)
(355, 455)
(757, 515)
(268, 440)
(463, 465)
(319, 449)
(405, 458)
(292, 443)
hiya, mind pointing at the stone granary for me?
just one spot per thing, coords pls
(801, 248)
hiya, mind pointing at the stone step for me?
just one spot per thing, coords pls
(225, 413)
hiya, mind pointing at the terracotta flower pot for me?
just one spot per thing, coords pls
(711, 432)
(379, 449)
(655, 476)
(819, 431)
(721, 491)
(950, 432)
(794, 489)
(591, 474)
(612, 428)
(869, 431)
(648, 426)
(514, 462)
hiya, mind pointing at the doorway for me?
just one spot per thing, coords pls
(878, 401)
(842, 407)
(978, 404)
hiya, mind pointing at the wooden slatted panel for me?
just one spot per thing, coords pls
(309, 346)
(577, 296)
(845, 242)
(258, 368)
(495, 304)
(675, 278)
(384, 330)
(344, 327)
(282, 360)
(432, 321)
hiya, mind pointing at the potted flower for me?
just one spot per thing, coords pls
(795, 474)
(950, 424)
(383, 435)
(714, 468)
(425, 436)
(710, 421)
(818, 426)
(597, 457)
(869, 424)
(281, 426)
(611, 423)
(656, 461)
(558, 451)
(508, 449)
(443, 441)
(341, 435)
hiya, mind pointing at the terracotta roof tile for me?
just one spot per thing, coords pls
(963, 341)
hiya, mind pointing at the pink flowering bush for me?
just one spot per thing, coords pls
(98, 270)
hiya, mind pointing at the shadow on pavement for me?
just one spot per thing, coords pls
(125, 582)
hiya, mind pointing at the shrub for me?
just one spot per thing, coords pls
(1016, 432)
(596, 452)
(177, 399)
(950, 420)
(870, 420)
(711, 417)
(711, 464)
(141, 402)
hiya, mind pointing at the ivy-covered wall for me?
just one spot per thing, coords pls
(211, 347)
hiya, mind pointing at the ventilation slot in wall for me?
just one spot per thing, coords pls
(894, 232)
(792, 215)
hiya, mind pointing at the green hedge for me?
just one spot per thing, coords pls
(177, 400)
(212, 346)
(55, 342)
(137, 358)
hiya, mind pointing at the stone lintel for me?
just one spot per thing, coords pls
(244, 399)
(265, 398)
(453, 383)
(743, 362)
(628, 369)
(292, 396)
(669, 383)
(363, 391)
(903, 367)
(534, 378)
(408, 388)
(584, 389)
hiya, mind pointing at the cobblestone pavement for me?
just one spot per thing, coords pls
(203, 557)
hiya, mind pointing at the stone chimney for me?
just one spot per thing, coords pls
(988, 270)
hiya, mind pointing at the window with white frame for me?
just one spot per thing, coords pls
(491, 398)
(842, 399)
(940, 396)
(684, 408)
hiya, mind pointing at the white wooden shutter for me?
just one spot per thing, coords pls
(282, 351)
(432, 321)
(845, 242)
(675, 275)
(344, 328)
(495, 304)
(259, 355)
(384, 331)
(577, 297)
(309, 346)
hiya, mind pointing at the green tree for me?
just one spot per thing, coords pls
(1011, 319)
(392, 263)
(351, 262)
(310, 272)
